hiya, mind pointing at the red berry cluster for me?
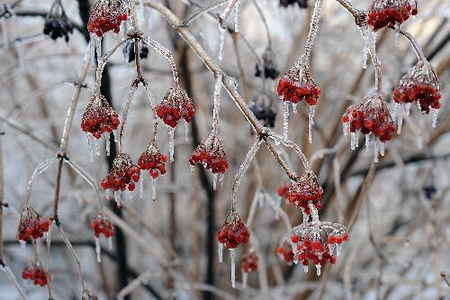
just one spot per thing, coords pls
(419, 85)
(37, 274)
(338, 238)
(285, 253)
(175, 105)
(233, 232)
(211, 155)
(297, 85)
(385, 13)
(306, 190)
(101, 225)
(370, 116)
(153, 161)
(99, 117)
(105, 16)
(123, 175)
(283, 191)
(32, 225)
(249, 262)
(312, 251)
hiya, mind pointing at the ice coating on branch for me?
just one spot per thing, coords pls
(236, 16)
(222, 32)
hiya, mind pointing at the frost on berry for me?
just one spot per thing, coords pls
(153, 161)
(421, 86)
(57, 25)
(297, 85)
(102, 226)
(233, 232)
(249, 262)
(305, 191)
(175, 105)
(285, 253)
(99, 117)
(105, 16)
(34, 272)
(210, 154)
(123, 175)
(370, 117)
(268, 67)
(262, 108)
(317, 243)
(385, 13)
(32, 225)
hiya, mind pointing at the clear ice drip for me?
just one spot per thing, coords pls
(220, 252)
(233, 267)
(285, 119)
(98, 249)
(222, 32)
(171, 143)
(312, 111)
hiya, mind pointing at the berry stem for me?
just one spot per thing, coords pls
(314, 26)
(164, 52)
(125, 115)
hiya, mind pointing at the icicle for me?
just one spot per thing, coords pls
(338, 250)
(244, 279)
(382, 148)
(110, 244)
(375, 150)
(97, 146)
(353, 140)
(435, 118)
(346, 128)
(107, 144)
(312, 111)
(285, 119)
(171, 143)
(23, 245)
(186, 131)
(95, 48)
(318, 269)
(261, 200)
(108, 194)
(154, 189)
(236, 16)
(116, 135)
(367, 137)
(141, 186)
(233, 267)
(407, 109)
(397, 34)
(394, 111)
(214, 181)
(98, 249)
(220, 252)
(191, 167)
(221, 178)
(369, 38)
(141, 11)
(294, 107)
(118, 198)
(400, 121)
(305, 269)
(222, 32)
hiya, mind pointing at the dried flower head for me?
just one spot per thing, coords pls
(297, 85)
(268, 68)
(263, 110)
(385, 13)
(99, 117)
(175, 105)
(420, 85)
(123, 175)
(57, 24)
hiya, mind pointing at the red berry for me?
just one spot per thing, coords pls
(175, 105)
(99, 118)
(105, 16)
(233, 232)
(153, 161)
(210, 154)
(249, 262)
(385, 13)
(306, 190)
(123, 175)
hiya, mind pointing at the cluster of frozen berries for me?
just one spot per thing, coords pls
(297, 85)
(337, 238)
(32, 225)
(37, 274)
(105, 16)
(285, 253)
(249, 262)
(268, 68)
(305, 191)
(99, 117)
(421, 86)
(175, 105)
(57, 25)
(312, 251)
(101, 225)
(153, 161)
(211, 155)
(370, 116)
(385, 13)
(233, 232)
(123, 175)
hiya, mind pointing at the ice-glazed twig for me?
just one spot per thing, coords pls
(74, 255)
(125, 112)
(216, 110)
(314, 26)
(137, 282)
(164, 52)
(202, 11)
(13, 279)
(38, 171)
(242, 170)
(293, 146)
